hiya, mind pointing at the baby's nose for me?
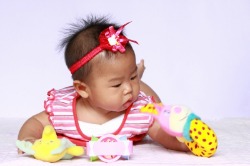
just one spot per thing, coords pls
(128, 88)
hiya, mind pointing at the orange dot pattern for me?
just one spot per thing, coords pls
(204, 142)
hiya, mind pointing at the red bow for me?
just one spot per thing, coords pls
(112, 40)
(109, 40)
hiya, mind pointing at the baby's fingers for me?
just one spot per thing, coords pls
(141, 68)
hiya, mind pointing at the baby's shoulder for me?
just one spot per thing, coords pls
(142, 97)
(61, 99)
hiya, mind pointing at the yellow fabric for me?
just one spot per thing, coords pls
(43, 147)
(204, 139)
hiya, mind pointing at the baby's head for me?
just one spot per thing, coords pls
(102, 63)
(83, 37)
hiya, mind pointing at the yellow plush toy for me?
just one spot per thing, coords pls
(49, 148)
(180, 122)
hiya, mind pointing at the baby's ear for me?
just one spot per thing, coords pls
(81, 88)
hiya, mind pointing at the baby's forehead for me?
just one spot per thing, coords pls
(114, 63)
(110, 57)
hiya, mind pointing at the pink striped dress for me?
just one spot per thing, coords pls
(60, 105)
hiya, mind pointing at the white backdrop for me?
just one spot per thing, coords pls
(197, 53)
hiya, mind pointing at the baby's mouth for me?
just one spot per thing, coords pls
(128, 103)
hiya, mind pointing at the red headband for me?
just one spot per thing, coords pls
(109, 40)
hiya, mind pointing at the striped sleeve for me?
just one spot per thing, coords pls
(59, 107)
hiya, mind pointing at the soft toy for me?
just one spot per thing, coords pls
(49, 148)
(179, 121)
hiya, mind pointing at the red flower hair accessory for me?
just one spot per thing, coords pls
(110, 40)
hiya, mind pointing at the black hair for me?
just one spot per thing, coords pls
(81, 38)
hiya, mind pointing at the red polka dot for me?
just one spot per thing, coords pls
(204, 140)
(199, 133)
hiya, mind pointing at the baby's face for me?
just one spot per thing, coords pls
(114, 83)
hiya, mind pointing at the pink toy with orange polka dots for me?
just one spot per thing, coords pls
(180, 122)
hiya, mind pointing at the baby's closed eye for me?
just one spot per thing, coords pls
(116, 85)
(134, 77)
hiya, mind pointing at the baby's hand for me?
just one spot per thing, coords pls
(140, 68)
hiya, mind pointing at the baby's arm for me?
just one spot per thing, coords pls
(149, 91)
(168, 141)
(32, 129)
(155, 131)
(140, 68)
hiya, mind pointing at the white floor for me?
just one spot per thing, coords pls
(233, 136)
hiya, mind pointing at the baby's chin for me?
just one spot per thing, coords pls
(123, 108)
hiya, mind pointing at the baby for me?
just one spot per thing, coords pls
(107, 92)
